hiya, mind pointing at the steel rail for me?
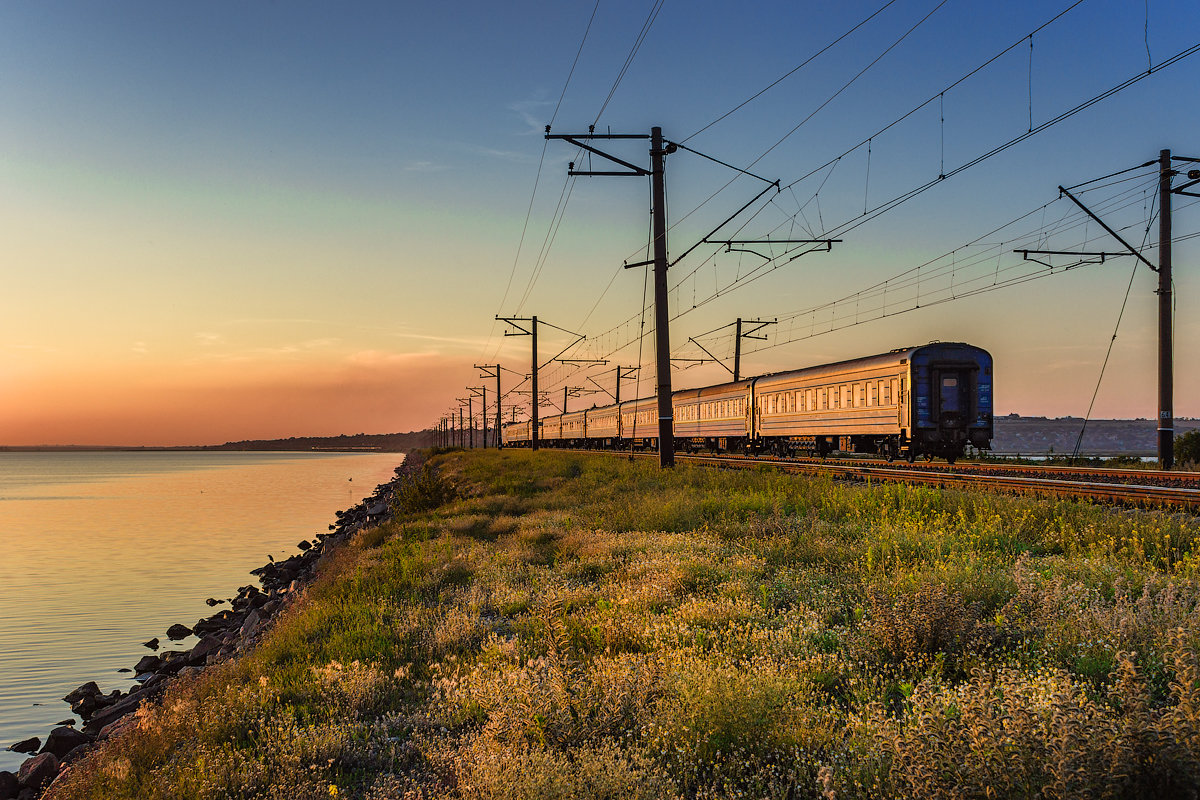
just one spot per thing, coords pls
(1132, 494)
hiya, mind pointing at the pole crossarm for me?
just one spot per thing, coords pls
(760, 324)
(728, 220)
(1084, 256)
(1110, 231)
(582, 360)
(1193, 176)
(574, 138)
(705, 349)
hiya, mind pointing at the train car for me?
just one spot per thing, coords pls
(602, 427)
(551, 430)
(713, 417)
(516, 434)
(929, 400)
(573, 429)
(639, 423)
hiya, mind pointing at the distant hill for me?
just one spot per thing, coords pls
(381, 442)
(1103, 437)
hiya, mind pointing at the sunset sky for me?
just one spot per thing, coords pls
(223, 220)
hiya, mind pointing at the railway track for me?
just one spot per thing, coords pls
(1121, 486)
(1140, 477)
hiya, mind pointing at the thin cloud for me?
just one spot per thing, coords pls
(524, 109)
(425, 166)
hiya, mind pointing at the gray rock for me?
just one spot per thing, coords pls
(63, 740)
(89, 689)
(147, 664)
(305, 545)
(201, 652)
(76, 754)
(177, 632)
(8, 785)
(38, 771)
(106, 716)
(251, 625)
(29, 745)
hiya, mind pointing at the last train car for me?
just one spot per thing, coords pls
(931, 400)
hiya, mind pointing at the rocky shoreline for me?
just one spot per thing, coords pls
(223, 636)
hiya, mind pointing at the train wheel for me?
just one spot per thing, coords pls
(951, 459)
(910, 457)
(888, 455)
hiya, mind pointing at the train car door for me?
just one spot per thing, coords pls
(949, 395)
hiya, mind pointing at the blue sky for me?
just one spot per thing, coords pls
(278, 196)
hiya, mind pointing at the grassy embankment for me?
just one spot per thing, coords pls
(576, 626)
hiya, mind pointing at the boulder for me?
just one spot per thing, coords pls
(152, 644)
(63, 740)
(70, 722)
(29, 745)
(106, 716)
(212, 601)
(177, 632)
(217, 622)
(173, 660)
(89, 689)
(76, 754)
(305, 545)
(8, 785)
(201, 652)
(38, 771)
(251, 625)
(147, 664)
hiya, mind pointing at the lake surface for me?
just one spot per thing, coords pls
(100, 552)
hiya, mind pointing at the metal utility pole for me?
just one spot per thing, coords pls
(481, 392)
(533, 375)
(737, 347)
(462, 436)
(623, 374)
(1166, 376)
(658, 150)
(492, 371)
(662, 319)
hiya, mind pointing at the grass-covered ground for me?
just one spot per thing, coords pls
(582, 626)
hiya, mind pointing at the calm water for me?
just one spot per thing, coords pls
(101, 551)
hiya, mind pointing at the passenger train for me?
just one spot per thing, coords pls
(928, 401)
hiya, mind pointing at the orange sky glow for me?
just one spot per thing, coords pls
(160, 405)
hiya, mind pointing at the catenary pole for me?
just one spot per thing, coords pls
(1166, 378)
(662, 317)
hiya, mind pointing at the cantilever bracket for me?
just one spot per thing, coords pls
(1084, 257)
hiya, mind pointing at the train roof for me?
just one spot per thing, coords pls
(891, 358)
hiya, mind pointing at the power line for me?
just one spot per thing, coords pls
(789, 73)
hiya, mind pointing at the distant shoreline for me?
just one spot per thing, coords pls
(356, 443)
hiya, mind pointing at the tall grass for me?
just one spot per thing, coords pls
(557, 625)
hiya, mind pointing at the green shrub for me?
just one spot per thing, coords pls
(422, 491)
(1187, 448)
